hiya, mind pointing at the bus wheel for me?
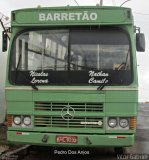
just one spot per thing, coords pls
(120, 150)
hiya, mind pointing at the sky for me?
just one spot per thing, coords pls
(141, 17)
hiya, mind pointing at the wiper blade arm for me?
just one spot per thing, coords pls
(101, 87)
(34, 87)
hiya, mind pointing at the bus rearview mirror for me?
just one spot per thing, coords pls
(4, 41)
(140, 42)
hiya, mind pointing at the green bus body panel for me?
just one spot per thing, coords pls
(68, 97)
(96, 96)
(96, 140)
(18, 95)
(20, 107)
(121, 109)
(105, 15)
(125, 107)
(122, 96)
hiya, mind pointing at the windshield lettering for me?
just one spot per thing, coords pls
(94, 75)
(95, 81)
(39, 81)
(36, 75)
(98, 74)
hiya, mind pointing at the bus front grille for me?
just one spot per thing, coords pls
(82, 107)
(76, 122)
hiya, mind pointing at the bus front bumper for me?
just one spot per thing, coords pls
(87, 140)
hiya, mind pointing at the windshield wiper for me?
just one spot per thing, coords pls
(34, 87)
(16, 75)
(102, 86)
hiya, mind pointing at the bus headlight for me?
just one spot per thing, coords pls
(123, 122)
(27, 120)
(112, 122)
(17, 120)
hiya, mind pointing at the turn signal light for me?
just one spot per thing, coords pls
(133, 123)
(9, 120)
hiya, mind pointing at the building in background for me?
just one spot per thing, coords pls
(3, 57)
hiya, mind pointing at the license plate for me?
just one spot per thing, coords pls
(66, 139)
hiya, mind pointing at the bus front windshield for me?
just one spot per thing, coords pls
(72, 56)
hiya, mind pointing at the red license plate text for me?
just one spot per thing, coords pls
(66, 139)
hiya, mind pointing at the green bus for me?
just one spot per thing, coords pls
(72, 76)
